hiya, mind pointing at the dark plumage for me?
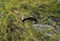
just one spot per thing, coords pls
(30, 18)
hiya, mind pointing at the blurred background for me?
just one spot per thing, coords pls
(47, 12)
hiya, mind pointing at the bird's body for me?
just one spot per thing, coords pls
(31, 19)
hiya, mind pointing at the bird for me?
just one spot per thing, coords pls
(31, 18)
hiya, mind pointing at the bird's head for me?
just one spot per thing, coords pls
(23, 17)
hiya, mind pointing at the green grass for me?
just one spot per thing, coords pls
(12, 29)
